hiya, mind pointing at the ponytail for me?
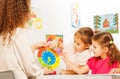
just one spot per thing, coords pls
(114, 54)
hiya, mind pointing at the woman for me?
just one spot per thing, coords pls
(15, 53)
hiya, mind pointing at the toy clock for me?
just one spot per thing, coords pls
(48, 58)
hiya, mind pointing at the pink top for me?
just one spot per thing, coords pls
(99, 66)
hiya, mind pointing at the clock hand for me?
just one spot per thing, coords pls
(49, 59)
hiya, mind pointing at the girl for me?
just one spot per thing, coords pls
(106, 58)
(82, 42)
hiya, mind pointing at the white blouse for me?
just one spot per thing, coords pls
(80, 58)
(19, 58)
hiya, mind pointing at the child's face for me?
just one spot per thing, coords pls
(79, 45)
(98, 50)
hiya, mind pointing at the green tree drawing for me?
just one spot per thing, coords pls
(97, 22)
(115, 20)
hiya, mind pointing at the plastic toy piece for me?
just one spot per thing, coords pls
(48, 58)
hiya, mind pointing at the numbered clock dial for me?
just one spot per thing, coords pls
(48, 57)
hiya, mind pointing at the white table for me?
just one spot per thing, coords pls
(81, 77)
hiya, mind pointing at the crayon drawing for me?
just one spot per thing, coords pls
(75, 15)
(108, 22)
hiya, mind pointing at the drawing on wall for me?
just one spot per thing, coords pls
(107, 22)
(55, 42)
(35, 22)
(75, 15)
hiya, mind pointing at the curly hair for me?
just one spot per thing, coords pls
(13, 14)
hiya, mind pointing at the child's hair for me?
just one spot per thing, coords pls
(85, 34)
(105, 39)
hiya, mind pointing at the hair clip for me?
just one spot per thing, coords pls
(111, 42)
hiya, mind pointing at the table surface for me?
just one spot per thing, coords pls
(98, 76)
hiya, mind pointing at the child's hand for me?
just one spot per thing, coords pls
(62, 72)
(115, 71)
(65, 58)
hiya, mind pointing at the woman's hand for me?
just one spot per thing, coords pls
(48, 71)
(37, 45)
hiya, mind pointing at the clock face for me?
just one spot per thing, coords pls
(48, 57)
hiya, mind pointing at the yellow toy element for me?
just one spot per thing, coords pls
(77, 5)
(37, 23)
(56, 63)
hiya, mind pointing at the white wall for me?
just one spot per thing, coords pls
(56, 17)
(89, 8)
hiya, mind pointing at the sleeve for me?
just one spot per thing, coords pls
(84, 59)
(91, 63)
(27, 60)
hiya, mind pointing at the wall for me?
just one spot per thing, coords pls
(89, 8)
(55, 15)
(56, 18)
